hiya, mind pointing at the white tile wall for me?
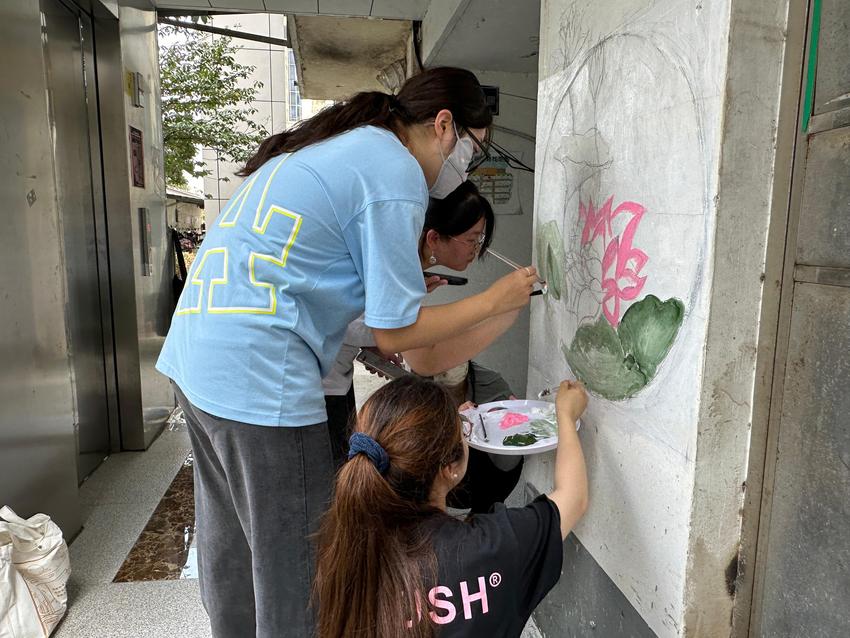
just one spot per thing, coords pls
(212, 207)
(279, 87)
(261, 61)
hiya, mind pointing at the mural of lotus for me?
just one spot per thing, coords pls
(616, 354)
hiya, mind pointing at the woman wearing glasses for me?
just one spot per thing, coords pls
(457, 230)
(324, 228)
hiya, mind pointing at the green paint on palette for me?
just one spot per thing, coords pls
(617, 364)
(551, 258)
(519, 440)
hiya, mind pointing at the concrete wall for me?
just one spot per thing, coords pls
(639, 125)
(184, 215)
(761, 87)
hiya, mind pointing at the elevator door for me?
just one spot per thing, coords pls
(67, 36)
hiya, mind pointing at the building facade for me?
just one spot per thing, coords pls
(278, 102)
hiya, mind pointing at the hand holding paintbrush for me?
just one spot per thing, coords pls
(516, 266)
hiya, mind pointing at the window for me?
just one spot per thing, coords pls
(294, 95)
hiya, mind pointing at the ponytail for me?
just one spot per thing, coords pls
(375, 559)
(372, 107)
(369, 574)
(420, 98)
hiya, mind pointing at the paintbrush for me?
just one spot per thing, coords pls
(516, 266)
(483, 427)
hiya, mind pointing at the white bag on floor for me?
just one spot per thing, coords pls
(34, 569)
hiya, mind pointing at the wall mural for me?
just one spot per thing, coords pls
(617, 354)
(619, 291)
(629, 117)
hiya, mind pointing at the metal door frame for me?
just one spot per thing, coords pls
(792, 150)
(98, 15)
(87, 61)
(111, 176)
(101, 230)
(114, 153)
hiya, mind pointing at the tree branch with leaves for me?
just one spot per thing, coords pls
(206, 102)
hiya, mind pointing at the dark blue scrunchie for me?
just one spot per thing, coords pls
(365, 444)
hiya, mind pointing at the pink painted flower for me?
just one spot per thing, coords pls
(596, 223)
(621, 262)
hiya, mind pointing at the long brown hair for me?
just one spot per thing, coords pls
(374, 557)
(420, 99)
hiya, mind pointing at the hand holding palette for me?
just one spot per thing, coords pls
(515, 427)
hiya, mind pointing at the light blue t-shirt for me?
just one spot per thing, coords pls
(309, 242)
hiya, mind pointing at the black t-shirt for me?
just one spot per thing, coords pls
(494, 569)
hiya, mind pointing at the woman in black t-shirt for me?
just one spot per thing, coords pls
(392, 562)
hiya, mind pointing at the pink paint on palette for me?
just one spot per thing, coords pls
(621, 262)
(512, 419)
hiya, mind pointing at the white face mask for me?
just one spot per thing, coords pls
(453, 171)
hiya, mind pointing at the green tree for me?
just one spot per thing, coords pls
(206, 102)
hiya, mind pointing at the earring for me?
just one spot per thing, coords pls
(432, 260)
(454, 475)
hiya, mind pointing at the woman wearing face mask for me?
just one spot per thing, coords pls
(324, 227)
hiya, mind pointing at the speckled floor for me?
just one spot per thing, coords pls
(118, 501)
(162, 549)
(136, 529)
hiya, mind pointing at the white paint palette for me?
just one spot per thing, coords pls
(494, 415)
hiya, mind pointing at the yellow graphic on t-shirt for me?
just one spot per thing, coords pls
(204, 270)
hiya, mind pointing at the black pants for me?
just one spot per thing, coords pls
(341, 412)
(484, 483)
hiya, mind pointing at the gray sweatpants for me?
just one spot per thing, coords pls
(259, 494)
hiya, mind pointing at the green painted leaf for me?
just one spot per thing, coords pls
(597, 358)
(551, 258)
(648, 329)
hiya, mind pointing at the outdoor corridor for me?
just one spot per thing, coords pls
(133, 569)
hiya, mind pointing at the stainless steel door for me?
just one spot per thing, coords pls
(68, 54)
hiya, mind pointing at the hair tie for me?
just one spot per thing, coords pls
(361, 443)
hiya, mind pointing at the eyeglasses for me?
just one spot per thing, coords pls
(465, 426)
(482, 153)
(476, 242)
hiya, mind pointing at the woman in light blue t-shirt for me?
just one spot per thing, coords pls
(324, 228)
